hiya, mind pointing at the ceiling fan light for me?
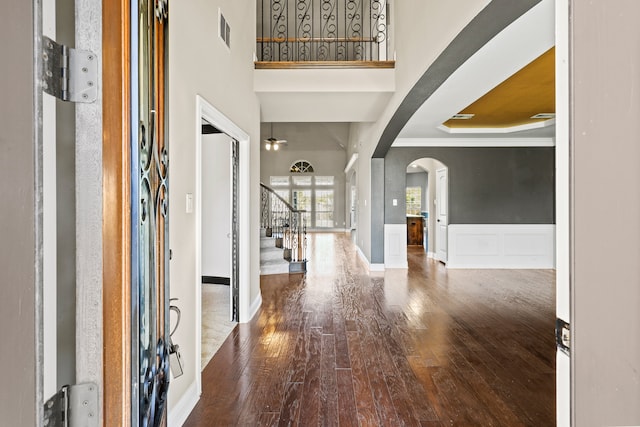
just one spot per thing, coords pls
(275, 146)
(267, 146)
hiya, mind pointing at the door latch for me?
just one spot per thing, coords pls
(563, 336)
(175, 359)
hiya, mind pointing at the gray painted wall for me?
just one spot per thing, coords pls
(605, 215)
(20, 226)
(486, 185)
(377, 210)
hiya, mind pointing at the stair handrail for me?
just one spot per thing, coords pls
(273, 193)
(288, 228)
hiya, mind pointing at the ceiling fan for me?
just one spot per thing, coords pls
(274, 142)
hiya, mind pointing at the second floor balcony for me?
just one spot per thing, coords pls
(323, 33)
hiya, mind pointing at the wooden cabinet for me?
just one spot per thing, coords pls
(415, 227)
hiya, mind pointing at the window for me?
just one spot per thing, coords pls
(324, 208)
(279, 181)
(314, 194)
(302, 202)
(324, 180)
(301, 166)
(302, 180)
(414, 197)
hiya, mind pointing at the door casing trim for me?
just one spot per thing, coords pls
(205, 110)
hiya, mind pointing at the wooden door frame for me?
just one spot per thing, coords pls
(116, 224)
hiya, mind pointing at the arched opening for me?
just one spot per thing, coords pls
(427, 195)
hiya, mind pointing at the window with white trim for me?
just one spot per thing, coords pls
(301, 166)
(309, 192)
(414, 200)
(324, 180)
(279, 181)
(324, 208)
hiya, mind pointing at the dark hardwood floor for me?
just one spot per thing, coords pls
(420, 347)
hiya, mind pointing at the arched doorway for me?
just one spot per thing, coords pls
(427, 195)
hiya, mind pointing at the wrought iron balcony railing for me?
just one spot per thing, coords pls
(322, 30)
(287, 226)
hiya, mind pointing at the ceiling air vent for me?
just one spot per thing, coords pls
(225, 30)
(462, 116)
(544, 116)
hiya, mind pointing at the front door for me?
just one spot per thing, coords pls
(149, 217)
(442, 207)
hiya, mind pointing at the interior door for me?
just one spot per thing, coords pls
(442, 208)
(235, 231)
(149, 217)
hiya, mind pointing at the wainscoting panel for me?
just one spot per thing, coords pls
(501, 246)
(395, 246)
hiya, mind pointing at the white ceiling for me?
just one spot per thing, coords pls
(520, 43)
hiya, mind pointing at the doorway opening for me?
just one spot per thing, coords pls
(222, 224)
(427, 195)
(219, 302)
(352, 193)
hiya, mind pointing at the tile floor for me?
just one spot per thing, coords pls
(216, 325)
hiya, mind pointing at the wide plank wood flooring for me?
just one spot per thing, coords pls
(425, 346)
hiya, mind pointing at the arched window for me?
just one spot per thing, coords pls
(301, 166)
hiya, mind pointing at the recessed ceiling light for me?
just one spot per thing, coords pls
(414, 165)
(544, 116)
(462, 116)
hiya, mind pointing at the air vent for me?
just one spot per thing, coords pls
(225, 30)
(544, 116)
(462, 116)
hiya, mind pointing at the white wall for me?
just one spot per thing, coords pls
(216, 205)
(436, 21)
(200, 64)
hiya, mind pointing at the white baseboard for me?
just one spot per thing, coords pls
(395, 246)
(255, 306)
(501, 246)
(363, 258)
(376, 267)
(181, 410)
(367, 264)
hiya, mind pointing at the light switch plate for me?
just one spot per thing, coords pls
(395, 202)
(189, 203)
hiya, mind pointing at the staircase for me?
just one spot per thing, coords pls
(271, 257)
(283, 236)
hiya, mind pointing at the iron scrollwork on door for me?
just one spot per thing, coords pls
(150, 218)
